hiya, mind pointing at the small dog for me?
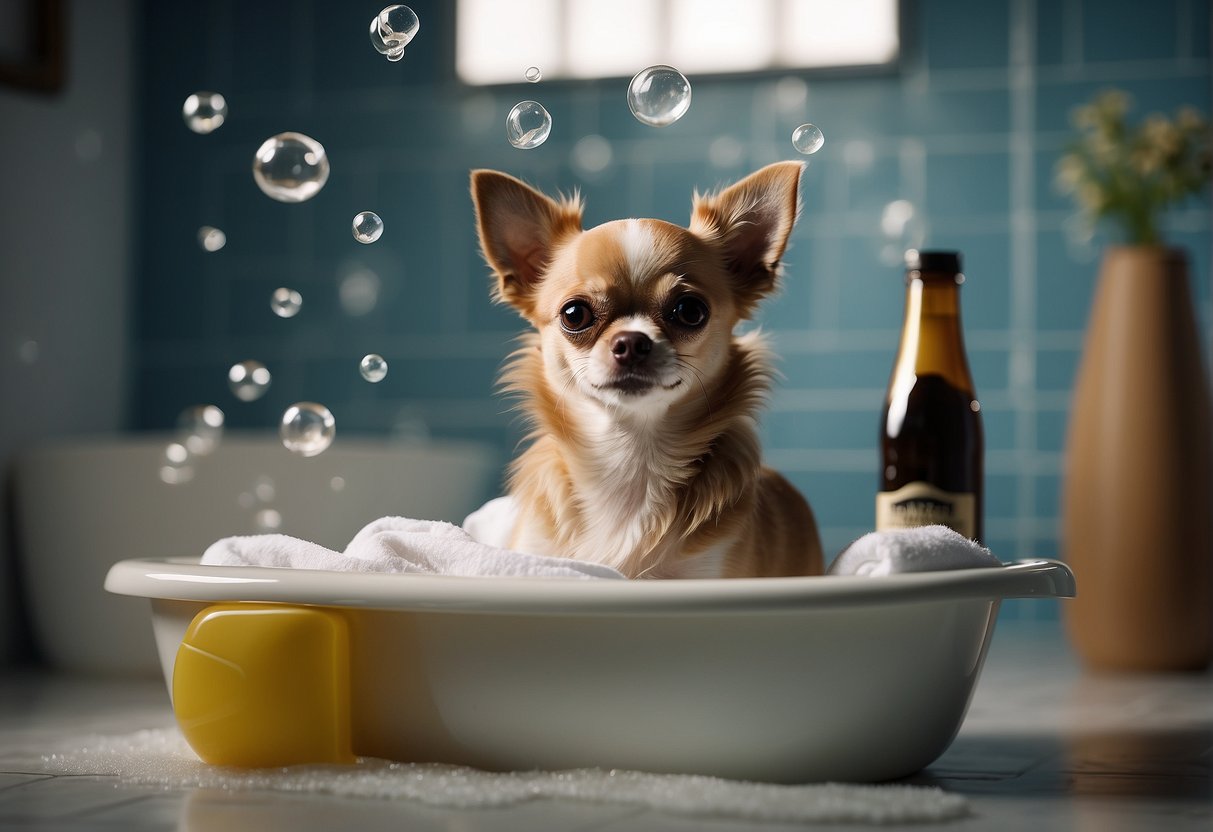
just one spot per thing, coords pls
(641, 400)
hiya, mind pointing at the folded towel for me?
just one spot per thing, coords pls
(922, 549)
(493, 523)
(398, 544)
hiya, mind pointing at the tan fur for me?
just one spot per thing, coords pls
(665, 480)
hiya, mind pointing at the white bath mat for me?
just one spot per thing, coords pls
(162, 757)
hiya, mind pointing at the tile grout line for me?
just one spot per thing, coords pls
(1023, 250)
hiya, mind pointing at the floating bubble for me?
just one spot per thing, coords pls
(373, 368)
(307, 428)
(176, 454)
(290, 167)
(528, 125)
(392, 30)
(267, 520)
(285, 302)
(533, 74)
(265, 489)
(358, 291)
(248, 380)
(337, 484)
(895, 217)
(211, 239)
(807, 138)
(200, 428)
(659, 95)
(367, 227)
(204, 112)
(175, 468)
(591, 155)
(176, 474)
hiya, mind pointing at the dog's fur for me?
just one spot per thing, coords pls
(642, 401)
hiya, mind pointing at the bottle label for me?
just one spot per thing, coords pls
(922, 504)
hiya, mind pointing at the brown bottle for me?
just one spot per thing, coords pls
(931, 443)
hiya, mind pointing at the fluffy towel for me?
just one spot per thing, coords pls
(398, 544)
(493, 522)
(923, 549)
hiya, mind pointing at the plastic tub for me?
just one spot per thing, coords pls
(779, 680)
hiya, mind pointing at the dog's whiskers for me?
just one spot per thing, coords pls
(683, 363)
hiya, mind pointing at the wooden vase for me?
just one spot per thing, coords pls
(1137, 501)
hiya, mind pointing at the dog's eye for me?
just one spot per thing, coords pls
(576, 316)
(689, 311)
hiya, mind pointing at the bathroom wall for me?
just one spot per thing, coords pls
(65, 256)
(966, 129)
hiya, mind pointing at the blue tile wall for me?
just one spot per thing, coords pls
(967, 128)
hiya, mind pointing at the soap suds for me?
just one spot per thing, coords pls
(162, 757)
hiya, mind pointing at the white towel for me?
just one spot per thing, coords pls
(398, 544)
(922, 549)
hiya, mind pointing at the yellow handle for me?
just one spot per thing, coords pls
(265, 685)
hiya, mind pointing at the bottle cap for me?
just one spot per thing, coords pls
(933, 261)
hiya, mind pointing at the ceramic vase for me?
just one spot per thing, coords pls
(1137, 500)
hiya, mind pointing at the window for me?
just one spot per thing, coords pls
(497, 40)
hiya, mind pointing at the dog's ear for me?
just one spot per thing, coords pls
(752, 221)
(518, 228)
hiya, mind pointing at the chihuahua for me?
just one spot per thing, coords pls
(641, 400)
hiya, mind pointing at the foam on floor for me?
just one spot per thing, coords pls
(162, 757)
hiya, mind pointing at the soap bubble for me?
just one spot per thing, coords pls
(307, 428)
(895, 218)
(267, 520)
(249, 380)
(285, 302)
(591, 155)
(807, 138)
(290, 167)
(659, 95)
(791, 93)
(358, 290)
(528, 125)
(175, 468)
(265, 489)
(373, 368)
(211, 239)
(533, 74)
(337, 483)
(367, 227)
(393, 29)
(204, 112)
(176, 474)
(200, 428)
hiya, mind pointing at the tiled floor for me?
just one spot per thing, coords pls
(1045, 747)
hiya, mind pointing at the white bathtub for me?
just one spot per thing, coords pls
(781, 679)
(84, 504)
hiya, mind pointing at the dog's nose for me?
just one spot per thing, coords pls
(631, 348)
